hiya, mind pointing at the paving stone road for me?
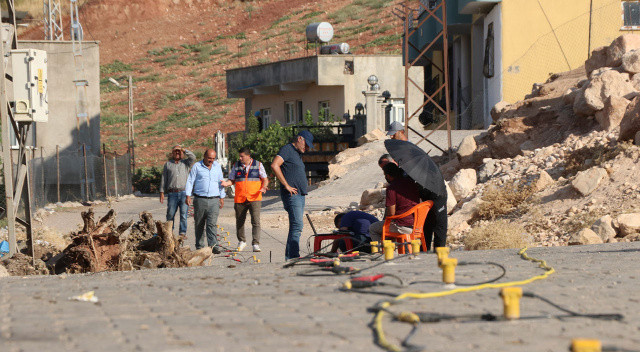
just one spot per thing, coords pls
(262, 307)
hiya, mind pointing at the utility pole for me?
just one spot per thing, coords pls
(132, 144)
(29, 105)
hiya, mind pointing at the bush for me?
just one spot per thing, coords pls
(505, 200)
(264, 145)
(497, 235)
(147, 179)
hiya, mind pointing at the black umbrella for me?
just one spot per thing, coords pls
(417, 164)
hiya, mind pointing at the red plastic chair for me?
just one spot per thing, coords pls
(419, 212)
(317, 243)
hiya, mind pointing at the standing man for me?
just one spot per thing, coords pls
(290, 171)
(205, 186)
(173, 182)
(251, 182)
(396, 131)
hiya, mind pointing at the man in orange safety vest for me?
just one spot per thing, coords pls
(250, 179)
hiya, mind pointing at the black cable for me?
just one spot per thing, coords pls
(380, 263)
(504, 272)
(617, 317)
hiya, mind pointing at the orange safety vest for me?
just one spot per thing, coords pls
(248, 184)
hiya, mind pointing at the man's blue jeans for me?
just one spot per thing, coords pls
(177, 200)
(294, 205)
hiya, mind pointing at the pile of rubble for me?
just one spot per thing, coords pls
(573, 140)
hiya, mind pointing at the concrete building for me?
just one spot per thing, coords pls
(284, 91)
(499, 48)
(63, 129)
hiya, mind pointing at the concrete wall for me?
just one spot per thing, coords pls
(62, 128)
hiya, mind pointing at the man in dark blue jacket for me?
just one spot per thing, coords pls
(358, 223)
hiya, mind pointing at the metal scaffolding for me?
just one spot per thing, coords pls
(52, 20)
(16, 182)
(409, 16)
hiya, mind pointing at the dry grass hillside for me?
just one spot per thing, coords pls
(178, 50)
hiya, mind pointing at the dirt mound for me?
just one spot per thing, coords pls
(22, 265)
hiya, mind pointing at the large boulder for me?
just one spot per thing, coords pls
(609, 83)
(463, 183)
(630, 123)
(635, 81)
(580, 106)
(629, 224)
(498, 110)
(449, 169)
(587, 181)
(631, 61)
(613, 112)
(569, 96)
(466, 148)
(543, 181)
(620, 46)
(374, 135)
(451, 199)
(597, 60)
(459, 221)
(603, 227)
(585, 236)
(372, 197)
(3, 271)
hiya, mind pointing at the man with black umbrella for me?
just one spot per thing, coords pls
(422, 169)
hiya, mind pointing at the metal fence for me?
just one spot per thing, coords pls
(78, 175)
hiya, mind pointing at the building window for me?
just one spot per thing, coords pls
(290, 112)
(324, 109)
(631, 14)
(300, 115)
(266, 118)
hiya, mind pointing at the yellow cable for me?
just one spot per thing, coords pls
(382, 341)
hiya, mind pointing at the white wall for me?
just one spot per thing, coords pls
(493, 86)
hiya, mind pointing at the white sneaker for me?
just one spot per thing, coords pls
(256, 248)
(241, 245)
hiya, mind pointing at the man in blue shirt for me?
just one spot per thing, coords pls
(205, 186)
(290, 171)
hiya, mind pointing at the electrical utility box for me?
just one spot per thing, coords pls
(30, 98)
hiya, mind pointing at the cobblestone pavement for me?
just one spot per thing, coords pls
(232, 306)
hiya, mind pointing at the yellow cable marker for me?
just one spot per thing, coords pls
(415, 247)
(389, 249)
(377, 322)
(511, 300)
(585, 345)
(442, 252)
(374, 246)
(448, 267)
